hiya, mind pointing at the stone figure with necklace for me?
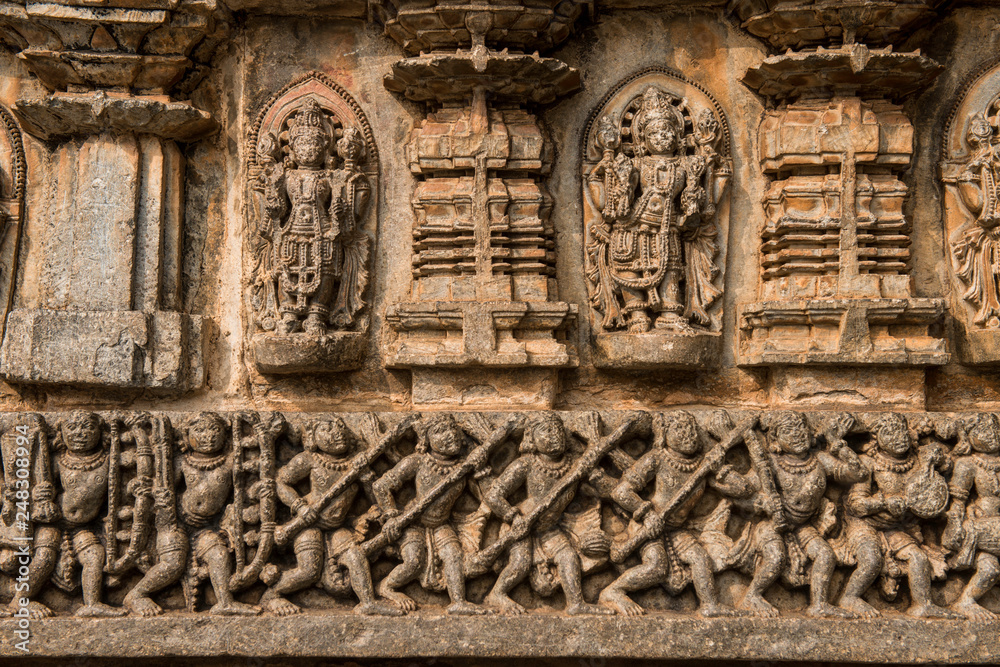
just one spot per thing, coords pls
(330, 543)
(80, 470)
(545, 458)
(802, 473)
(973, 528)
(884, 513)
(676, 558)
(430, 547)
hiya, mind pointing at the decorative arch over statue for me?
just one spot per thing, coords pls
(312, 200)
(12, 192)
(656, 164)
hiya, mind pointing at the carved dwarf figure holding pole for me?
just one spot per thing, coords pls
(327, 543)
(973, 529)
(801, 474)
(551, 477)
(672, 464)
(313, 213)
(652, 255)
(429, 545)
(884, 512)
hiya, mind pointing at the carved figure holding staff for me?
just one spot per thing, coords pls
(801, 474)
(674, 461)
(551, 477)
(428, 543)
(328, 542)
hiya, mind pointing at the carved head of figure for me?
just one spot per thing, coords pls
(892, 435)
(351, 146)
(547, 436)
(980, 132)
(307, 136)
(984, 434)
(330, 437)
(679, 433)
(658, 126)
(608, 136)
(441, 435)
(789, 433)
(82, 432)
(207, 433)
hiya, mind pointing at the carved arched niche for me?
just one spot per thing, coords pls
(312, 210)
(656, 216)
(12, 192)
(970, 169)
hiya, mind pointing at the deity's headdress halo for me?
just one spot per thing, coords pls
(309, 120)
(656, 106)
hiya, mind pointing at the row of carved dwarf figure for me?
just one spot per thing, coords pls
(249, 501)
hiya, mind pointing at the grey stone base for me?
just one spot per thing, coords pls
(126, 349)
(651, 350)
(301, 353)
(336, 635)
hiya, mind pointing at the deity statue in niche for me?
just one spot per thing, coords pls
(651, 253)
(977, 247)
(313, 265)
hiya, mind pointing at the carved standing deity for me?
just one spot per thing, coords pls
(314, 205)
(977, 246)
(652, 252)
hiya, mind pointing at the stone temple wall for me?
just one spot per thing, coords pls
(500, 329)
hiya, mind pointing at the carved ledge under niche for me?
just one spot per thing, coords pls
(333, 352)
(655, 350)
(842, 331)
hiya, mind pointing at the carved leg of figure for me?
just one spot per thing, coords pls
(413, 553)
(918, 573)
(635, 305)
(43, 562)
(171, 550)
(652, 570)
(361, 581)
(986, 575)
(288, 323)
(703, 579)
(571, 576)
(454, 577)
(823, 563)
(868, 554)
(91, 559)
(308, 548)
(771, 560)
(517, 568)
(216, 556)
(670, 303)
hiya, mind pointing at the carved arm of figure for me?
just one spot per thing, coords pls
(841, 463)
(862, 500)
(46, 509)
(509, 481)
(291, 474)
(731, 483)
(635, 479)
(392, 481)
(963, 478)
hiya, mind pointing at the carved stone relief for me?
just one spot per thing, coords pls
(655, 174)
(835, 279)
(141, 510)
(969, 170)
(483, 293)
(313, 178)
(108, 311)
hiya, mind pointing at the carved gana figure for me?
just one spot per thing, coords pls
(652, 252)
(977, 249)
(314, 203)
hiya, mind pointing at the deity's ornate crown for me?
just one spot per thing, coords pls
(657, 106)
(309, 120)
